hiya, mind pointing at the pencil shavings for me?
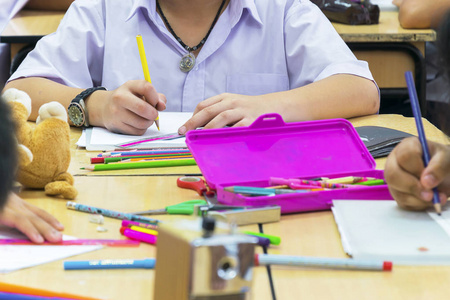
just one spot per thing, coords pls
(101, 229)
(97, 219)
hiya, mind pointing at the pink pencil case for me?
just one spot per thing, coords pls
(249, 156)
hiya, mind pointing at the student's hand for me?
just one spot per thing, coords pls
(131, 108)
(37, 224)
(226, 109)
(409, 182)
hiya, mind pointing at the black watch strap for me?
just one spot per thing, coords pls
(86, 93)
(79, 102)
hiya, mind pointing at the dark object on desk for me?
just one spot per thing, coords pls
(380, 141)
(353, 12)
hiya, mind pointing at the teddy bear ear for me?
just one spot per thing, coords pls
(52, 110)
(15, 95)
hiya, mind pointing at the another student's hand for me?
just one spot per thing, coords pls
(129, 109)
(226, 109)
(35, 223)
(409, 182)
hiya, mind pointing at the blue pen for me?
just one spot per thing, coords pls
(423, 141)
(148, 263)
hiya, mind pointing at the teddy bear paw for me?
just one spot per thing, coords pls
(61, 188)
(52, 110)
(15, 95)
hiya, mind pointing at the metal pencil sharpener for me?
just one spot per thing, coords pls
(200, 259)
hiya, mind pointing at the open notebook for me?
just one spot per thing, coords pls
(100, 139)
(381, 230)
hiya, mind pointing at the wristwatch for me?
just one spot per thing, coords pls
(77, 109)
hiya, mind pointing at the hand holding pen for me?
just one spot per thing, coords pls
(421, 183)
(410, 182)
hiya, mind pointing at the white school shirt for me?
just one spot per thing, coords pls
(256, 47)
(8, 9)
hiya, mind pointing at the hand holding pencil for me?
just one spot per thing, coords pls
(145, 69)
(414, 172)
(410, 182)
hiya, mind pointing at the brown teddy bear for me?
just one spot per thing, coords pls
(44, 149)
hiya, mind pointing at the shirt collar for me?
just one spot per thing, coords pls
(236, 7)
(147, 5)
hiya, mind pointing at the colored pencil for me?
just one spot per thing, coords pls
(348, 179)
(135, 159)
(148, 263)
(274, 240)
(143, 152)
(101, 160)
(16, 296)
(423, 140)
(140, 236)
(165, 137)
(319, 262)
(109, 213)
(128, 223)
(257, 191)
(84, 242)
(12, 288)
(140, 229)
(144, 164)
(144, 63)
(371, 182)
(301, 183)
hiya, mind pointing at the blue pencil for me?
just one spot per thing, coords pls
(148, 263)
(423, 141)
(15, 296)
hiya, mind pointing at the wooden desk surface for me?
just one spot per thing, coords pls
(312, 234)
(388, 30)
(28, 26)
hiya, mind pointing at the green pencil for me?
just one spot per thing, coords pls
(371, 182)
(143, 164)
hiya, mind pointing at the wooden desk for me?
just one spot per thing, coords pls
(390, 50)
(312, 234)
(28, 27)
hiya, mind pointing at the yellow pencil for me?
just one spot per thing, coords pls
(145, 66)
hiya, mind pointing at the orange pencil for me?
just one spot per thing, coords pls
(12, 288)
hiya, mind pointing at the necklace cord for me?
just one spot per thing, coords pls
(190, 49)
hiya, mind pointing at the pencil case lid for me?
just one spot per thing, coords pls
(269, 147)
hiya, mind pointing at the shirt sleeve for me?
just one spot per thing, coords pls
(73, 54)
(318, 51)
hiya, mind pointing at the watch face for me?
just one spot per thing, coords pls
(76, 114)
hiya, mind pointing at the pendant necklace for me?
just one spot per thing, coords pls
(188, 60)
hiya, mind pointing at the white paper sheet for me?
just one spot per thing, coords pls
(99, 139)
(381, 230)
(15, 257)
(385, 5)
